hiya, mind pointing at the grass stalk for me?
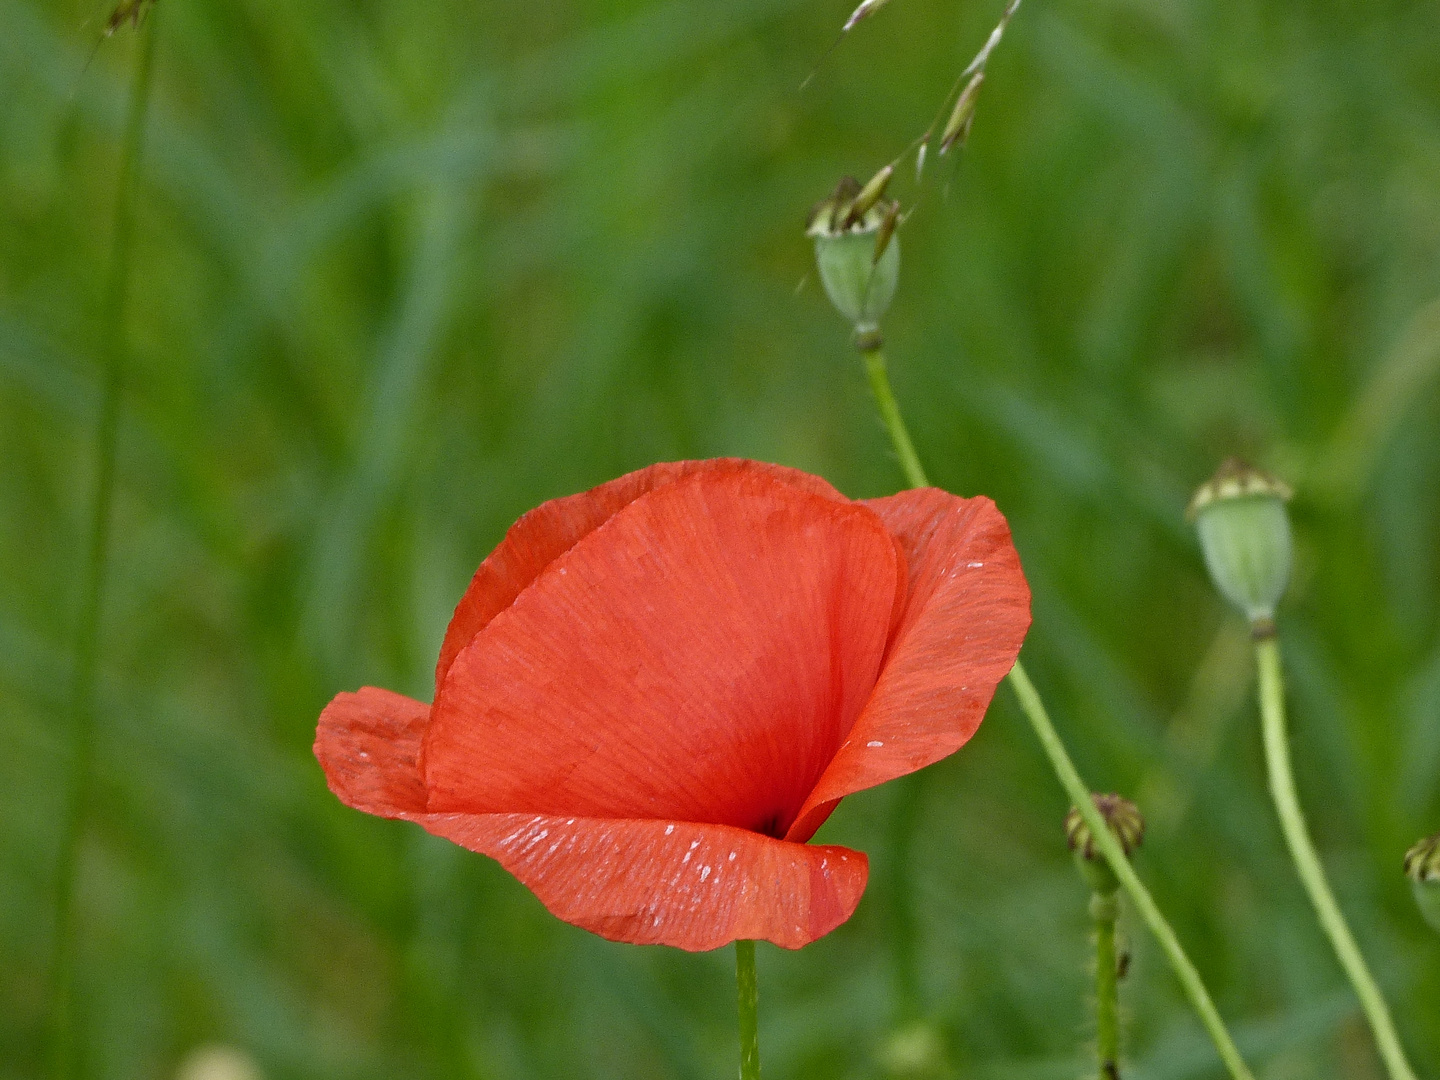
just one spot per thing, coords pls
(64, 1042)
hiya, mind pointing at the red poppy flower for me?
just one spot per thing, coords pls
(654, 693)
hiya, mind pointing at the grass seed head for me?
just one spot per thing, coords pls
(957, 128)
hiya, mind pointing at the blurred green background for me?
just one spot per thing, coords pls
(403, 270)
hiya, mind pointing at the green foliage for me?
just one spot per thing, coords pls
(404, 270)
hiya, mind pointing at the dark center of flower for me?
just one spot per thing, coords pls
(771, 825)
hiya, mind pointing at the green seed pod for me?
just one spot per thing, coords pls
(1245, 534)
(859, 277)
(1125, 821)
(1422, 866)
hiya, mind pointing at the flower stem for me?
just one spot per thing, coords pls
(1104, 910)
(1190, 980)
(749, 1010)
(890, 413)
(1307, 863)
(64, 1057)
(1105, 840)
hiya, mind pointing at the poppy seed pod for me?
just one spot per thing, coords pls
(1125, 821)
(857, 254)
(1422, 866)
(1245, 534)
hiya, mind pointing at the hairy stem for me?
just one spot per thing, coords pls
(749, 994)
(1104, 910)
(64, 1057)
(1065, 769)
(1307, 863)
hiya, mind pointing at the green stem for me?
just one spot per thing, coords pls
(749, 994)
(64, 1058)
(1307, 863)
(903, 820)
(1104, 910)
(890, 413)
(1065, 769)
(1109, 846)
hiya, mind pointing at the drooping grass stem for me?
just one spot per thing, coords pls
(1075, 788)
(749, 1002)
(64, 1043)
(1104, 910)
(1307, 863)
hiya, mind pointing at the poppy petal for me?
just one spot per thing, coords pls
(698, 658)
(551, 529)
(369, 746)
(695, 887)
(966, 614)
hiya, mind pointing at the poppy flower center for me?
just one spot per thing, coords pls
(773, 825)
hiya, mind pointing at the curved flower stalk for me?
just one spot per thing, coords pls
(869, 342)
(1245, 535)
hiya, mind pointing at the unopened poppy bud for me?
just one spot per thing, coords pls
(1422, 866)
(1124, 819)
(859, 273)
(1245, 534)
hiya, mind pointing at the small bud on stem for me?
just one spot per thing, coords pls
(1124, 819)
